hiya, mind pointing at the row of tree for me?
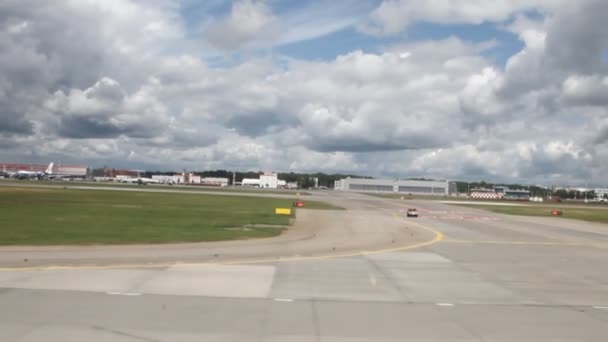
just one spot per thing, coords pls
(535, 191)
(304, 180)
(307, 180)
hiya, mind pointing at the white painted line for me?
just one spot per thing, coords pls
(283, 300)
(601, 307)
(444, 304)
(123, 293)
(372, 280)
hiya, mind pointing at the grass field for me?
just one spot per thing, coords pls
(565, 203)
(39, 216)
(160, 186)
(585, 214)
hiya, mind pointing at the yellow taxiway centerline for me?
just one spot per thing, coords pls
(438, 237)
(530, 243)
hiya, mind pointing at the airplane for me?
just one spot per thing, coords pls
(22, 174)
(140, 180)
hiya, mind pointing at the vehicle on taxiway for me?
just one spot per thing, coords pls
(412, 212)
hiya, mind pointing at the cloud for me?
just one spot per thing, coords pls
(542, 80)
(585, 90)
(249, 20)
(394, 16)
(319, 18)
(105, 111)
(12, 123)
(117, 83)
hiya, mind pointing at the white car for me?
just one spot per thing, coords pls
(412, 212)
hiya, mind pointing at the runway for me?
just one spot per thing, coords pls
(489, 277)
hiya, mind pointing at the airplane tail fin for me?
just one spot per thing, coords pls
(49, 170)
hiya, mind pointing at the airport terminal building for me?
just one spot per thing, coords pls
(415, 187)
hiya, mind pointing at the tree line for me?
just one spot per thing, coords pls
(535, 191)
(304, 180)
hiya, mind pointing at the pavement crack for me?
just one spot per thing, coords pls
(315, 321)
(124, 334)
(389, 278)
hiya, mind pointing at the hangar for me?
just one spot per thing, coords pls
(405, 186)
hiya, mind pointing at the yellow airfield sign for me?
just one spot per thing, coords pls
(282, 211)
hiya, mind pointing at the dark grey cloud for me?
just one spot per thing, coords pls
(475, 171)
(187, 139)
(85, 127)
(254, 124)
(364, 144)
(565, 165)
(12, 122)
(585, 91)
(51, 44)
(574, 44)
(601, 136)
(577, 38)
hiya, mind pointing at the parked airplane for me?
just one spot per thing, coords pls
(23, 174)
(140, 180)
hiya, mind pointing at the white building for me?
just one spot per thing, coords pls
(269, 180)
(215, 181)
(600, 192)
(250, 182)
(418, 187)
(489, 194)
(168, 179)
(122, 177)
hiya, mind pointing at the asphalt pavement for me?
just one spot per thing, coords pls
(367, 274)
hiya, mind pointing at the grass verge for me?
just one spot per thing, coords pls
(45, 216)
(159, 186)
(585, 214)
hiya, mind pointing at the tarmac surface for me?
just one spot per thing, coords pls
(363, 274)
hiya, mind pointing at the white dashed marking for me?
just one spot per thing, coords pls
(283, 300)
(444, 304)
(123, 293)
(372, 280)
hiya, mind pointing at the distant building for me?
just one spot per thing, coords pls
(183, 178)
(269, 180)
(600, 192)
(117, 173)
(418, 187)
(58, 169)
(252, 182)
(500, 192)
(490, 194)
(215, 181)
(170, 179)
(520, 195)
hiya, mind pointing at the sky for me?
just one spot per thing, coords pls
(504, 91)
